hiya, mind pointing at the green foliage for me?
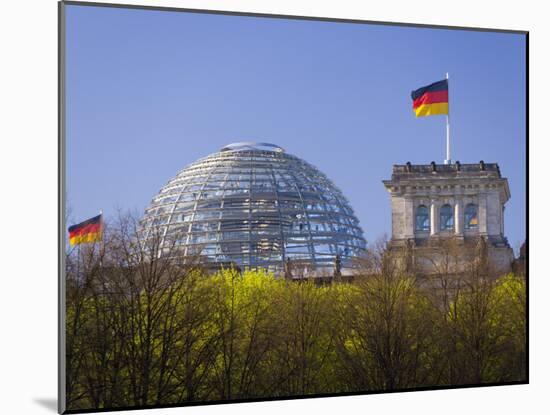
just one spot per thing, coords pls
(156, 333)
(486, 328)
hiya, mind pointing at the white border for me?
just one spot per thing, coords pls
(28, 168)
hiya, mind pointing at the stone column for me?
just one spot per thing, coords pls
(434, 219)
(502, 220)
(459, 218)
(408, 231)
(482, 214)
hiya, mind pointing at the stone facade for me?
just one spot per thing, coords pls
(438, 205)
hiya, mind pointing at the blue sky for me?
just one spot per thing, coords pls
(149, 92)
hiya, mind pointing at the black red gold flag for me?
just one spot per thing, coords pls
(432, 99)
(90, 230)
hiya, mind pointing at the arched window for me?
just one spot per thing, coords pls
(470, 216)
(422, 218)
(446, 218)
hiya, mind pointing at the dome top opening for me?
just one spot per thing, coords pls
(250, 145)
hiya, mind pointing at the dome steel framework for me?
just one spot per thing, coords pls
(254, 205)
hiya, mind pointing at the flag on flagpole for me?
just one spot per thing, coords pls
(90, 230)
(432, 99)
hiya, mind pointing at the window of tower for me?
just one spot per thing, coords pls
(470, 216)
(446, 218)
(422, 220)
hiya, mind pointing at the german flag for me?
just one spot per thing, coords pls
(432, 99)
(87, 231)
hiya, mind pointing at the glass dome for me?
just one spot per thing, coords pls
(255, 206)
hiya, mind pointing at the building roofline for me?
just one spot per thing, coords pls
(446, 168)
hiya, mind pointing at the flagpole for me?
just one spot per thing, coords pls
(101, 242)
(448, 159)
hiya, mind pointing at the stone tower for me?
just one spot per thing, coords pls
(435, 205)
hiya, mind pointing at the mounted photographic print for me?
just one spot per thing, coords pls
(259, 207)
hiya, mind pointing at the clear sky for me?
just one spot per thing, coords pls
(149, 92)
